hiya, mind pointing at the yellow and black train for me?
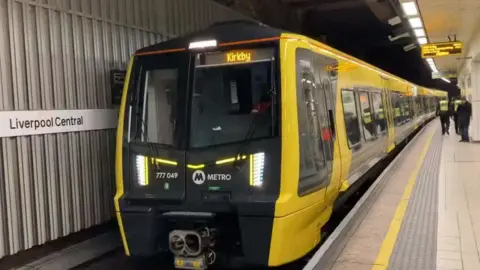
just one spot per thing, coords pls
(235, 142)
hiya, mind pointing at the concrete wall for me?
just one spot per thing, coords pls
(56, 55)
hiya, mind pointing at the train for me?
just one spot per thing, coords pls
(235, 142)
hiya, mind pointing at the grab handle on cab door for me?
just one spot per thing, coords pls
(332, 123)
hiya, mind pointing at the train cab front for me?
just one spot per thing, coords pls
(201, 153)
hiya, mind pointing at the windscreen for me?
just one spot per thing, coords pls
(234, 93)
(159, 82)
(208, 99)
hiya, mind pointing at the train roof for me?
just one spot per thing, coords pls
(235, 32)
(223, 33)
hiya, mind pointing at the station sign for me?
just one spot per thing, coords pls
(26, 123)
(432, 50)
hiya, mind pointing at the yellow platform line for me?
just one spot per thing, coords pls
(381, 263)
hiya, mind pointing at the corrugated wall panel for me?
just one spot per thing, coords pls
(57, 54)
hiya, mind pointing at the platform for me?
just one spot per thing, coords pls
(423, 212)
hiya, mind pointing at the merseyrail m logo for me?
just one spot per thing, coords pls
(198, 177)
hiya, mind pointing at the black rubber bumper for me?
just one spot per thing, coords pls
(147, 234)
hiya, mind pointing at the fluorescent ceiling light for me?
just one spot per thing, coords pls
(430, 60)
(203, 44)
(409, 8)
(419, 32)
(422, 40)
(415, 22)
(446, 80)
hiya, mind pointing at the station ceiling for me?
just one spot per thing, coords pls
(362, 28)
(450, 18)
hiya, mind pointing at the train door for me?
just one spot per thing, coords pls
(327, 79)
(314, 127)
(388, 113)
(319, 85)
(381, 117)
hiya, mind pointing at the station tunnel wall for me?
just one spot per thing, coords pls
(55, 63)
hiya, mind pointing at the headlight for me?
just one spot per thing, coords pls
(257, 166)
(142, 170)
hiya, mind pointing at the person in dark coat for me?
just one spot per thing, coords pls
(464, 112)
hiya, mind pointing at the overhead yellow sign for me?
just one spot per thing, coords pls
(441, 49)
(449, 75)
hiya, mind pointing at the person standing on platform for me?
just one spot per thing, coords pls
(464, 112)
(444, 113)
(456, 103)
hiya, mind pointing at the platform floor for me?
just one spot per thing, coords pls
(427, 215)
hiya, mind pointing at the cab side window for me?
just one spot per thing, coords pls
(351, 117)
(325, 81)
(311, 154)
(313, 124)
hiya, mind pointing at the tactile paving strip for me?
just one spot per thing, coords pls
(416, 245)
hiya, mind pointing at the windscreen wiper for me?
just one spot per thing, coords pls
(151, 146)
(243, 143)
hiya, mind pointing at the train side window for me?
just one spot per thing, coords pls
(351, 117)
(411, 103)
(312, 116)
(367, 120)
(425, 105)
(418, 103)
(378, 110)
(405, 108)
(397, 113)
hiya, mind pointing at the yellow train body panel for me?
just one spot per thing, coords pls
(285, 223)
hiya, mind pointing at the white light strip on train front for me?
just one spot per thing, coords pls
(203, 44)
(141, 171)
(258, 169)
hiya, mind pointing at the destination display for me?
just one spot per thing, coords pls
(235, 57)
(432, 50)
